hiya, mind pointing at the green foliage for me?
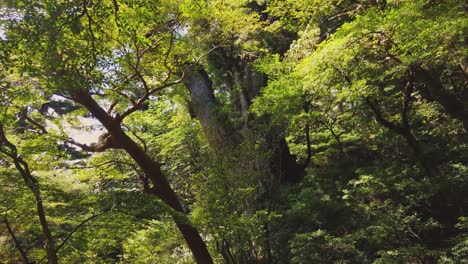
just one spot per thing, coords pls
(319, 247)
(369, 96)
(156, 243)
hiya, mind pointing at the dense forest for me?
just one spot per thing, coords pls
(234, 131)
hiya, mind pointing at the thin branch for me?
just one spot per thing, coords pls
(152, 45)
(138, 105)
(35, 244)
(198, 60)
(142, 80)
(145, 147)
(169, 70)
(90, 27)
(36, 124)
(23, 114)
(342, 73)
(32, 183)
(78, 227)
(414, 234)
(112, 106)
(18, 246)
(92, 167)
(384, 35)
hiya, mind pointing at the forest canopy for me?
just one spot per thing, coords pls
(234, 131)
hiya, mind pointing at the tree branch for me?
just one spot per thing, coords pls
(32, 183)
(380, 118)
(140, 103)
(36, 124)
(145, 147)
(18, 246)
(78, 227)
(105, 142)
(307, 135)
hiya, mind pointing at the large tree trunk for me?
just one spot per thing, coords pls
(152, 169)
(219, 131)
(282, 165)
(248, 83)
(244, 84)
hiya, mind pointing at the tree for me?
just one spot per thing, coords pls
(64, 53)
(264, 131)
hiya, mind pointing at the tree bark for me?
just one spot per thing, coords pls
(216, 127)
(161, 187)
(220, 132)
(248, 82)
